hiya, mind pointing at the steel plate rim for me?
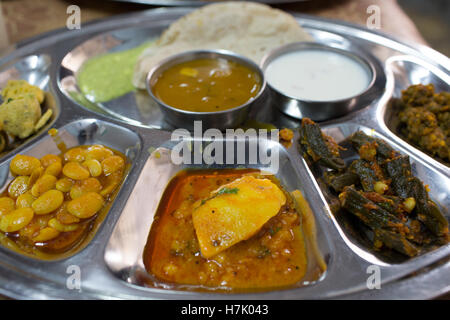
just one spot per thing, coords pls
(94, 24)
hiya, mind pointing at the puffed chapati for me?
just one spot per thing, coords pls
(250, 29)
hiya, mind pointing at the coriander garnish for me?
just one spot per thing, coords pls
(222, 191)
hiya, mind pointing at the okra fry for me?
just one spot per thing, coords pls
(389, 203)
(397, 242)
(337, 181)
(399, 171)
(368, 212)
(366, 174)
(359, 138)
(427, 211)
(317, 147)
(379, 189)
(407, 186)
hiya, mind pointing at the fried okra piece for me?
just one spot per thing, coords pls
(427, 211)
(361, 140)
(369, 212)
(392, 204)
(407, 186)
(396, 242)
(370, 175)
(397, 207)
(339, 180)
(399, 171)
(388, 229)
(318, 147)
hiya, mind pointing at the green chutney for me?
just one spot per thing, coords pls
(109, 76)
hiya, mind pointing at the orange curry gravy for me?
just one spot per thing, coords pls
(274, 257)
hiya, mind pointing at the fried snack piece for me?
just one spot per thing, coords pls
(235, 212)
(18, 88)
(19, 115)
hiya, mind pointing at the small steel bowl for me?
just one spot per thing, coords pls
(315, 109)
(220, 119)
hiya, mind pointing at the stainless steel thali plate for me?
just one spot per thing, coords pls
(110, 261)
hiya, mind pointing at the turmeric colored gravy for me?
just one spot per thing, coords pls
(207, 85)
(66, 243)
(274, 256)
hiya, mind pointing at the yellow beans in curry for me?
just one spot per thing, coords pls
(43, 184)
(112, 164)
(86, 205)
(25, 200)
(19, 186)
(84, 186)
(94, 166)
(112, 181)
(64, 216)
(75, 171)
(52, 201)
(46, 234)
(54, 223)
(16, 220)
(35, 175)
(98, 152)
(64, 184)
(6, 205)
(49, 159)
(23, 165)
(48, 202)
(54, 169)
(75, 154)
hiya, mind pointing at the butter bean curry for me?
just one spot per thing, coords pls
(53, 202)
(232, 229)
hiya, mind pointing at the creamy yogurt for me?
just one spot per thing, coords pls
(317, 75)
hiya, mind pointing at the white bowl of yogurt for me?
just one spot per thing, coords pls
(317, 81)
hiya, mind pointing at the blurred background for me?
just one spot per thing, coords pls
(432, 18)
(419, 21)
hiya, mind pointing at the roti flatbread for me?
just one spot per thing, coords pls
(249, 29)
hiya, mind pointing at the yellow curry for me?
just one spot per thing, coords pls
(207, 85)
(53, 202)
(228, 229)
